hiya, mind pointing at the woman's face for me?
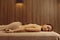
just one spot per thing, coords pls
(47, 28)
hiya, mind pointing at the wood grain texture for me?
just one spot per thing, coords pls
(58, 15)
(32, 11)
(7, 8)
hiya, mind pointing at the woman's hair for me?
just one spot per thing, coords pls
(50, 25)
(48, 30)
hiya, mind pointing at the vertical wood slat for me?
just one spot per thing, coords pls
(7, 10)
(11, 11)
(29, 11)
(58, 15)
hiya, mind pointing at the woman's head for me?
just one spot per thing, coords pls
(47, 27)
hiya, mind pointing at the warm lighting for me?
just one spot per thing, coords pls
(20, 5)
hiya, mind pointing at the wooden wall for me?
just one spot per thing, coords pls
(32, 11)
(7, 11)
(58, 15)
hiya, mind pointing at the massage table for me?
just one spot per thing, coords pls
(30, 36)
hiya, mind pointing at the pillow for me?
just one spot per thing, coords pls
(32, 28)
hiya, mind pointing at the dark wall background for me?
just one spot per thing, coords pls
(58, 15)
(32, 11)
(7, 11)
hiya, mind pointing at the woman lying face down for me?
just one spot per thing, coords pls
(18, 27)
(32, 28)
(12, 26)
(26, 28)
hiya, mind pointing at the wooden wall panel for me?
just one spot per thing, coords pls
(7, 11)
(58, 15)
(3, 12)
(11, 10)
(32, 11)
(20, 13)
